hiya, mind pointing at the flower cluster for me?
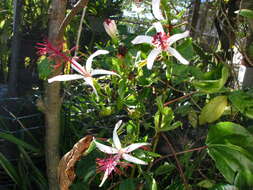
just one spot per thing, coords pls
(109, 165)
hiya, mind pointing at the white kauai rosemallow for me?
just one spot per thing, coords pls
(111, 28)
(161, 42)
(84, 73)
(119, 151)
(156, 10)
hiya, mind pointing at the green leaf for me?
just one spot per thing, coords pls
(243, 101)
(186, 49)
(213, 110)
(246, 13)
(19, 142)
(164, 169)
(45, 67)
(10, 169)
(211, 82)
(224, 187)
(127, 184)
(206, 183)
(150, 182)
(231, 147)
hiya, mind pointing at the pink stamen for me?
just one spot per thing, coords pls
(47, 48)
(160, 40)
(108, 21)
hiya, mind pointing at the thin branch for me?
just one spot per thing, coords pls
(79, 31)
(177, 99)
(77, 8)
(177, 161)
(179, 153)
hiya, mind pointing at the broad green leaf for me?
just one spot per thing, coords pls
(213, 110)
(127, 184)
(246, 13)
(9, 169)
(231, 147)
(224, 187)
(212, 82)
(19, 142)
(186, 49)
(243, 101)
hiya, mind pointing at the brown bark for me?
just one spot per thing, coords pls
(51, 104)
(52, 101)
(195, 18)
(248, 4)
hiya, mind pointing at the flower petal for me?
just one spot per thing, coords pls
(177, 37)
(151, 57)
(105, 148)
(158, 26)
(134, 146)
(115, 136)
(102, 72)
(77, 67)
(142, 39)
(90, 59)
(65, 78)
(156, 10)
(104, 178)
(133, 159)
(89, 81)
(178, 56)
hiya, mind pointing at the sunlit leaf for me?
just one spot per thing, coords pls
(231, 147)
(213, 110)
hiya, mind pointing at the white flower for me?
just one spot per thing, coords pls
(161, 42)
(111, 28)
(156, 10)
(84, 73)
(119, 151)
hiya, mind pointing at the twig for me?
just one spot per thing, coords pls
(178, 153)
(77, 7)
(79, 32)
(177, 99)
(177, 162)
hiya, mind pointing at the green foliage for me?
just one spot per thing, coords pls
(213, 81)
(243, 102)
(213, 110)
(246, 13)
(231, 146)
(45, 67)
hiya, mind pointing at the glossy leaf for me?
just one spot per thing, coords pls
(246, 13)
(231, 147)
(211, 82)
(243, 101)
(224, 187)
(213, 110)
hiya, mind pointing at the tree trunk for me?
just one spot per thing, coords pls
(195, 18)
(13, 73)
(52, 101)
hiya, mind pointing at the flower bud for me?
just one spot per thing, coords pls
(111, 28)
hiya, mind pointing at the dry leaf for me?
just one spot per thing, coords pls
(66, 168)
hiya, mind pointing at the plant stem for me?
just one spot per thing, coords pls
(178, 153)
(177, 162)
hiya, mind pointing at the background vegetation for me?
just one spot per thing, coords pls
(197, 117)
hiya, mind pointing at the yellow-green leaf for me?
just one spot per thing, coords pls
(213, 110)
